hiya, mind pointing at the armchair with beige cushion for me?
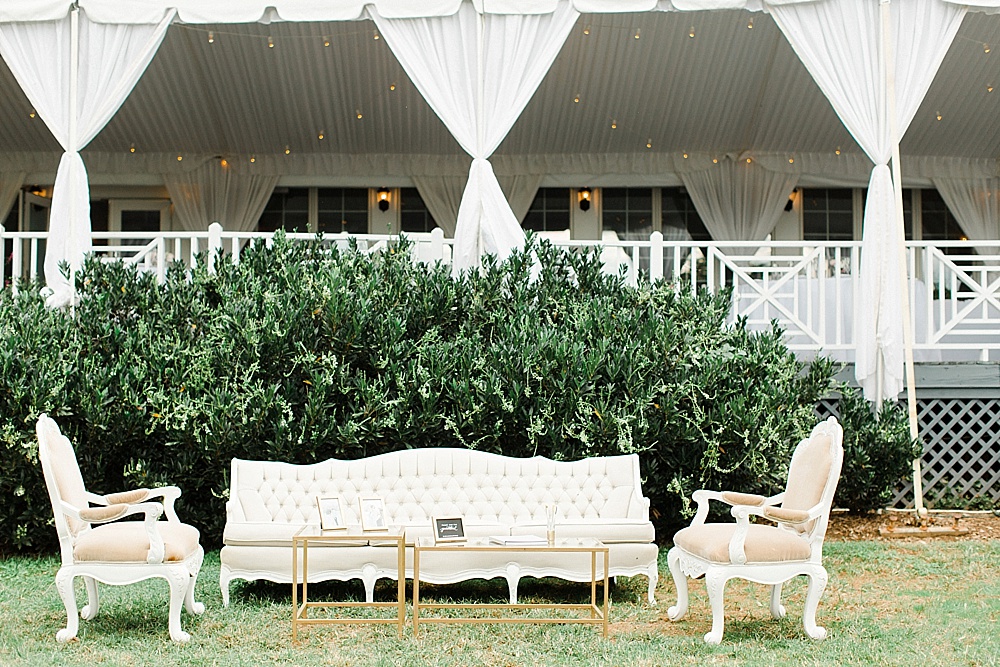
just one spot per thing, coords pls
(120, 553)
(766, 554)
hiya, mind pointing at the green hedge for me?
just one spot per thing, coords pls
(303, 352)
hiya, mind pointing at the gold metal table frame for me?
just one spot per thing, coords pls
(598, 614)
(307, 534)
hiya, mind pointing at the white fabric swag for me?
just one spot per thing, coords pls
(737, 200)
(442, 195)
(108, 62)
(975, 202)
(10, 185)
(213, 193)
(839, 43)
(478, 72)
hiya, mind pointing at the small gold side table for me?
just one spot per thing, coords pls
(307, 534)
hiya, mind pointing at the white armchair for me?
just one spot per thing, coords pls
(765, 554)
(115, 553)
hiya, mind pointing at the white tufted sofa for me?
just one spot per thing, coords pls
(597, 497)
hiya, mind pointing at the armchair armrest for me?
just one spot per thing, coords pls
(108, 513)
(703, 496)
(168, 493)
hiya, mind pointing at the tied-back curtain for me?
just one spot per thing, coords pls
(737, 200)
(10, 185)
(478, 72)
(111, 58)
(214, 193)
(975, 202)
(839, 42)
(443, 196)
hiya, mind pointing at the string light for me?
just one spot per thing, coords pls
(715, 160)
(939, 116)
(326, 41)
(750, 24)
(211, 37)
(270, 42)
(649, 143)
(837, 152)
(223, 163)
(180, 157)
(586, 30)
(791, 160)
(614, 124)
(322, 135)
(989, 88)
(31, 114)
(749, 160)
(253, 159)
(131, 148)
(576, 100)
(392, 86)
(375, 35)
(691, 32)
(685, 155)
(637, 33)
(357, 112)
(986, 48)
(288, 150)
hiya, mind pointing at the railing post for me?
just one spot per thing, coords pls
(3, 264)
(655, 257)
(214, 244)
(161, 261)
(437, 244)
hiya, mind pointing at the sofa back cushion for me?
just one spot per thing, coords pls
(419, 484)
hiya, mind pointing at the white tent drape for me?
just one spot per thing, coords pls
(213, 193)
(443, 196)
(76, 80)
(520, 190)
(975, 202)
(478, 72)
(10, 185)
(737, 200)
(838, 42)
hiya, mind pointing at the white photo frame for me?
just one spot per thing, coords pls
(372, 513)
(448, 529)
(331, 513)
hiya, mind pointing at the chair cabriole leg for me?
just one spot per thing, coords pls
(817, 584)
(64, 584)
(715, 582)
(777, 609)
(678, 611)
(93, 601)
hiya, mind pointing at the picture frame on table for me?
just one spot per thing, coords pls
(331, 513)
(448, 529)
(372, 513)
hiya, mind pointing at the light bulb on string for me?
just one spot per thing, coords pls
(180, 157)
(649, 143)
(691, 32)
(586, 30)
(939, 116)
(576, 99)
(750, 24)
(749, 160)
(715, 160)
(614, 124)
(837, 152)
(989, 88)
(357, 112)
(326, 41)
(288, 150)
(684, 155)
(223, 163)
(31, 114)
(131, 148)
(211, 37)
(270, 42)
(791, 160)
(636, 33)
(253, 159)
(375, 35)
(392, 86)
(322, 135)
(986, 48)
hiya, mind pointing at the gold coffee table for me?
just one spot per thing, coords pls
(313, 534)
(597, 614)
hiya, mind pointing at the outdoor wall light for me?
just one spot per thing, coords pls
(584, 196)
(383, 199)
(790, 204)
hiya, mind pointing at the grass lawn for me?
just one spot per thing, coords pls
(888, 603)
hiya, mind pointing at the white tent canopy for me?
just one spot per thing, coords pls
(637, 84)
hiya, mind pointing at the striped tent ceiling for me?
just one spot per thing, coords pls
(731, 88)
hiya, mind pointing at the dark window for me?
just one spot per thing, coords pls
(99, 212)
(680, 218)
(413, 213)
(342, 210)
(938, 224)
(828, 214)
(549, 212)
(288, 209)
(628, 211)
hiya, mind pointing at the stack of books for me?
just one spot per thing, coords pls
(518, 540)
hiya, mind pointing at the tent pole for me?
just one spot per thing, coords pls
(897, 186)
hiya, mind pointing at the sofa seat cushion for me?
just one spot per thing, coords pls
(128, 542)
(609, 531)
(764, 544)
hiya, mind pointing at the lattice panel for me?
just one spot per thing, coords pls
(961, 448)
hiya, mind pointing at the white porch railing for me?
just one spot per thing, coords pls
(808, 287)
